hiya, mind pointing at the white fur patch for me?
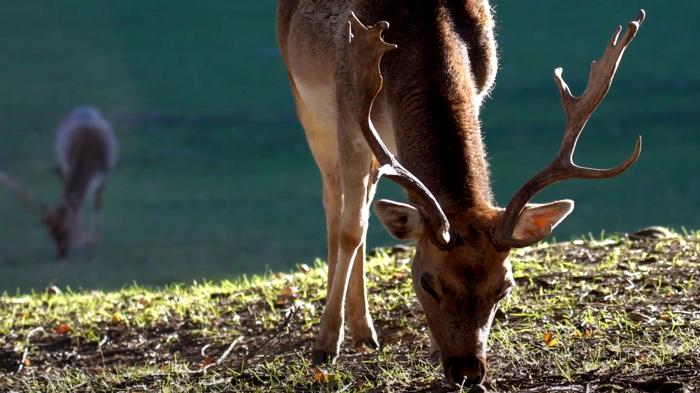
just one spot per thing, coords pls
(322, 102)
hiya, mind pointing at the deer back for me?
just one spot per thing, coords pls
(86, 150)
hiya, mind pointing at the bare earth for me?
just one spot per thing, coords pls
(612, 315)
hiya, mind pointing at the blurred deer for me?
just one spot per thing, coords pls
(86, 151)
(428, 139)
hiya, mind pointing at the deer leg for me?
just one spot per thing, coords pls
(332, 199)
(322, 137)
(359, 319)
(95, 216)
(356, 160)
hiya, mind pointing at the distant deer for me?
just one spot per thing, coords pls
(86, 151)
(427, 114)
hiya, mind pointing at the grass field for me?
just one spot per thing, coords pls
(606, 315)
(215, 178)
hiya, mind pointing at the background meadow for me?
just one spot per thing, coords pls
(215, 179)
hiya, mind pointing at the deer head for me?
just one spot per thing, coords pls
(460, 269)
(60, 222)
(58, 219)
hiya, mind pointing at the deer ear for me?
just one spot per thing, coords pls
(537, 221)
(402, 220)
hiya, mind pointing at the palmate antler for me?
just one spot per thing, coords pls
(578, 110)
(25, 199)
(365, 54)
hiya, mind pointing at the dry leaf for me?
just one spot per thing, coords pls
(549, 339)
(117, 317)
(323, 376)
(208, 360)
(287, 295)
(583, 331)
(62, 328)
(27, 362)
(289, 291)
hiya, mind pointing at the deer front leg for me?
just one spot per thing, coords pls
(360, 323)
(359, 319)
(355, 171)
(95, 236)
(332, 200)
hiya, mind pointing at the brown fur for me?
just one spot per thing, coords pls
(86, 152)
(427, 114)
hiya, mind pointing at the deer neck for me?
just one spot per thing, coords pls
(434, 102)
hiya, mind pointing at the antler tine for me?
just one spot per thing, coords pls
(578, 110)
(365, 54)
(25, 199)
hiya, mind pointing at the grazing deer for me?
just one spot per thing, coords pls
(438, 68)
(86, 151)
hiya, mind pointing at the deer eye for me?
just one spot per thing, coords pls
(425, 284)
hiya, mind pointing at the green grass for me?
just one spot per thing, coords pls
(621, 314)
(215, 179)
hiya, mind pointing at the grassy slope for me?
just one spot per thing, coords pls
(215, 178)
(621, 313)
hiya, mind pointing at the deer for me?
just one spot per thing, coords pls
(86, 151)
(403, 103)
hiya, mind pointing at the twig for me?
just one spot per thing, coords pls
(25, 354)
(24, 359)
(282, 326)
(221, 358)
(99, 349)
(203, 351)
(228, 351)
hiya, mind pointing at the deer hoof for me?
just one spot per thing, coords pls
(320, 358)
(369, 342)
(478, 389)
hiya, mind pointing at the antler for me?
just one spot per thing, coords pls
(25, 199)
(578, 110)
(366, 50)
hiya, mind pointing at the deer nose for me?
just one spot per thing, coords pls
(466, 371)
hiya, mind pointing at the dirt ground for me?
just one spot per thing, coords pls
(618, 315)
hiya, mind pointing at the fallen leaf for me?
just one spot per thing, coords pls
(117, 317)
(208, 360)
(27, 362)
(323, 376)
(62, 328)
(289, 291)
(583, 331)
(549, 339)
(287, 296)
